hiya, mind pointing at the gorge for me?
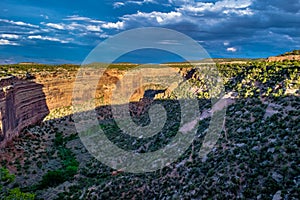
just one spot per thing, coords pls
(26, 101)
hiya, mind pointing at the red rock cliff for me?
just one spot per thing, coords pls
(26, 102)
(22, 103)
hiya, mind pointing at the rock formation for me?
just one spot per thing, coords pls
(22, 103)
(25, 102)
(282, 58)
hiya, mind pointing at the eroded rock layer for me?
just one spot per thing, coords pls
(22, 103)
(26, 102)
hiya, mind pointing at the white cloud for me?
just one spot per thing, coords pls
(194, 14)
(19, 23)
(239, 7)
(62, 26)
(56, 26)
(74, 26)
(180, 2)
(77, 18)
(120, 4)
(80, 18)
(38, 31)
(226, 43)
(199, 7)
(246, 11)
(44, 16)
(231, 49)
(39, 37)
(10, 36)
(7, 42)
(110, 25)
(154, 17)
(237, 4)
(93, 28)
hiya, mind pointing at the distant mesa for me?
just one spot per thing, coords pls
(292, 55)
(213, 61)
(29, 63)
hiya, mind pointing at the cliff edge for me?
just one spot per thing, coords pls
(22, 103)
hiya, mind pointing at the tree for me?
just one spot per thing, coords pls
(11, 194)
(16, 194)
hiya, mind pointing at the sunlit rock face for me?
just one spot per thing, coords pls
(60, 91)
(25, 102)
(283, 58)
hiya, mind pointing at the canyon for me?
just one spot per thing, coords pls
(50, 160)
(27, 101)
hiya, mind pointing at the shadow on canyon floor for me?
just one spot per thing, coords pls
(248, 154)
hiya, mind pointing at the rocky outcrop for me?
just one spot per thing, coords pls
(22, 103)
(283, 58)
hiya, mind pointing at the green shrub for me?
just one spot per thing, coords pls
(5, 176)
(59, 140)
(53, 178)
(16, 194)
(12, 194)
(71, 170)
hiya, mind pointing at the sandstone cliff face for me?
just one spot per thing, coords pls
(26, 102)
(59, 86)
(282, 58)
(22, 103)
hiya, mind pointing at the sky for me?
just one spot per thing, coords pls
(67, 31)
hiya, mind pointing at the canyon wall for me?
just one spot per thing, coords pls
(58, 86)
(26, 102)
(22, 103)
